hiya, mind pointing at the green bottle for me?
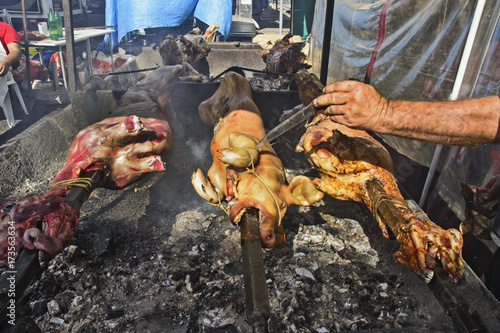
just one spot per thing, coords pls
(59, 23)
(52, 23)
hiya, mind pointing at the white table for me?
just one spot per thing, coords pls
(80, 35)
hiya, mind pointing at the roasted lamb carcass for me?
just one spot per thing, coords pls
(354, 166)
(125, 147)
(241, 176)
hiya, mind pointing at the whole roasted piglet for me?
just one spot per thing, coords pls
(354, 166)
(241, 176)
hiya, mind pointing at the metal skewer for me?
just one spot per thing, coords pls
(254, 273)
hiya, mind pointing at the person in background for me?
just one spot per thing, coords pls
(10, 53)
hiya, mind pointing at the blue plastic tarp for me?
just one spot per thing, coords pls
(215, 11)
(128, 15)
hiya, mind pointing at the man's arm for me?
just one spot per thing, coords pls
(13, 57)
(463, 122)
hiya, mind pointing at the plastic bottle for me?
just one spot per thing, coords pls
(52, 23)
(6, 17)
(59, 23)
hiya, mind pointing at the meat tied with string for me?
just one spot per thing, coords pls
(125, 147)
(354, 166)
(241, 176)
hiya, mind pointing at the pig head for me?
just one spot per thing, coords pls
(18, 225)
(124, 148)
(241, 176)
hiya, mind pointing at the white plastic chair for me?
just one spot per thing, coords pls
(7, 105)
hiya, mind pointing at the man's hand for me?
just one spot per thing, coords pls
(353, 104)
(4, 68)
(13, 57)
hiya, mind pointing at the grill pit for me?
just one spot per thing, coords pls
(156, 257)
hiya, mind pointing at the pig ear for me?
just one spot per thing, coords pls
(303, 192)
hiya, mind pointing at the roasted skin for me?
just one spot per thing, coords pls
(354, 166)
(241, 176)
(124, 148)
(308, 85)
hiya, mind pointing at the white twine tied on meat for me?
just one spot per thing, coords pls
(86, 183)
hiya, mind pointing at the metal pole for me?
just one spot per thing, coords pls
(26, 45)
(70, 47)
(454, 93)
(281, 17)
(257, 307)
(327, 40)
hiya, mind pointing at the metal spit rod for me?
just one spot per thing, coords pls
(445, 292)
(254, 273)
(27, 263)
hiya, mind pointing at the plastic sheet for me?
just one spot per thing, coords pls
(418, 60)
(317, 35)
(126, 16)
(215, 11)
(475, 165)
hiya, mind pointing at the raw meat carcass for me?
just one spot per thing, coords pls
(354, 166)
(125, 147)
(241, 176)
(18, 225)
(128, 145)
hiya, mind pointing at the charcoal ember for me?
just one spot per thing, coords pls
(102, 242)
(39, 307)
(82, 326)
(53, 308)
(124, 287)
(114, 313)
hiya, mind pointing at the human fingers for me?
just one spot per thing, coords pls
(3, 69)
(341, 86)
(336, 98)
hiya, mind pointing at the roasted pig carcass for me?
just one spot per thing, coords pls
(125, 147)
(191, 48)
(284, 57)
(354, 166)
(241, 176)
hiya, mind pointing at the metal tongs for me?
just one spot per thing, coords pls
(287, 125)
